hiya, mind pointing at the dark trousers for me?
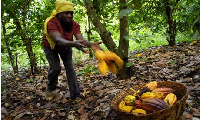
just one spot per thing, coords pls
(55, 69)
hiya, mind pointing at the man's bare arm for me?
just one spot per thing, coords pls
(57, 38)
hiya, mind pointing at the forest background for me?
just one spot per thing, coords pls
(130, 28)
(123, 26)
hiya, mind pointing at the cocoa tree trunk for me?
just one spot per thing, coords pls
(88, 37)
(27, 42)
(12, 59)
(124, 42)
(172, 24)
(21, 31)
(105, 35)
(122, 51)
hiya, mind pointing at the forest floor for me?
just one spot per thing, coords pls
(23, 97)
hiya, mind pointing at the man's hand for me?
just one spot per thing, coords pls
(78, 43)
(83, 50)
(95, 46)
(80, 46)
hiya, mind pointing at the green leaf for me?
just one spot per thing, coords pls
(126, 38)
(137, 41)
(129, 64)
(29, 80)
(125, 12)
(152, 41)
(137, 4)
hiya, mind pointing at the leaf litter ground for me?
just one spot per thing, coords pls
(23, 96)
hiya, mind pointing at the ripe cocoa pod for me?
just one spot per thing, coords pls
(148, 107)
(138, 103)
(148, 95)
(139, 111)
(170, 99)
(126, 109)
(143, 90)
(112, 67)
(152, 85)
(159, 95)
(148, 88)
(111, 56)
(129, 100)
(99, 54)
(103, 68)
(164, 90)
(153, 104)
(152, 95)
(121, 104)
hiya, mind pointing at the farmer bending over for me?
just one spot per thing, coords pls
(59, 30)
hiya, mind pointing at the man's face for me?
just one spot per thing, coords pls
(66, 16)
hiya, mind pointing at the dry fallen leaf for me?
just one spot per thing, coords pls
(178, 63)
(196, 114)
(84, 93)
(4, 111)
(80, 110)
(84, 116)
(28, 98)
(138, 55)
(188, 116)
(194, 42)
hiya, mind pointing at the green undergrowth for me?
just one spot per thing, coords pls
(78, 56)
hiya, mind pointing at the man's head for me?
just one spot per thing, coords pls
(64, 10)
(63, 5)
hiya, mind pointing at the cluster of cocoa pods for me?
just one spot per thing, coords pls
(108, 61)
(149, 99)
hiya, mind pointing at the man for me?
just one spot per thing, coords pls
(59, 30)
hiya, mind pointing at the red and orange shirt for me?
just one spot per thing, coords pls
(53, 26)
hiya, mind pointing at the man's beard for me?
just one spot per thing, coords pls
(67, 26)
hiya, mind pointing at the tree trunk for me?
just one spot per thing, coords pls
(105, 35)
(88, 37)
(11, 56)
(122, 51)
(27, 42)
(29, 50)
(172, 24)
(123, 42)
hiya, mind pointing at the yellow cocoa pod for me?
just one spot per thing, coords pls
(103, 67)
(126, 109)
(121, 104)
(170, 99)
(112, 67)
(140, 111)
(152, 85)
(152, 95)
(148, 95)
(99, 54)
(129, 100)
(119, 62)
(111, 56)
(135, 93)
(159, 95)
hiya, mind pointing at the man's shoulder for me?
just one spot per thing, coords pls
(75, 23)
(54, 19)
